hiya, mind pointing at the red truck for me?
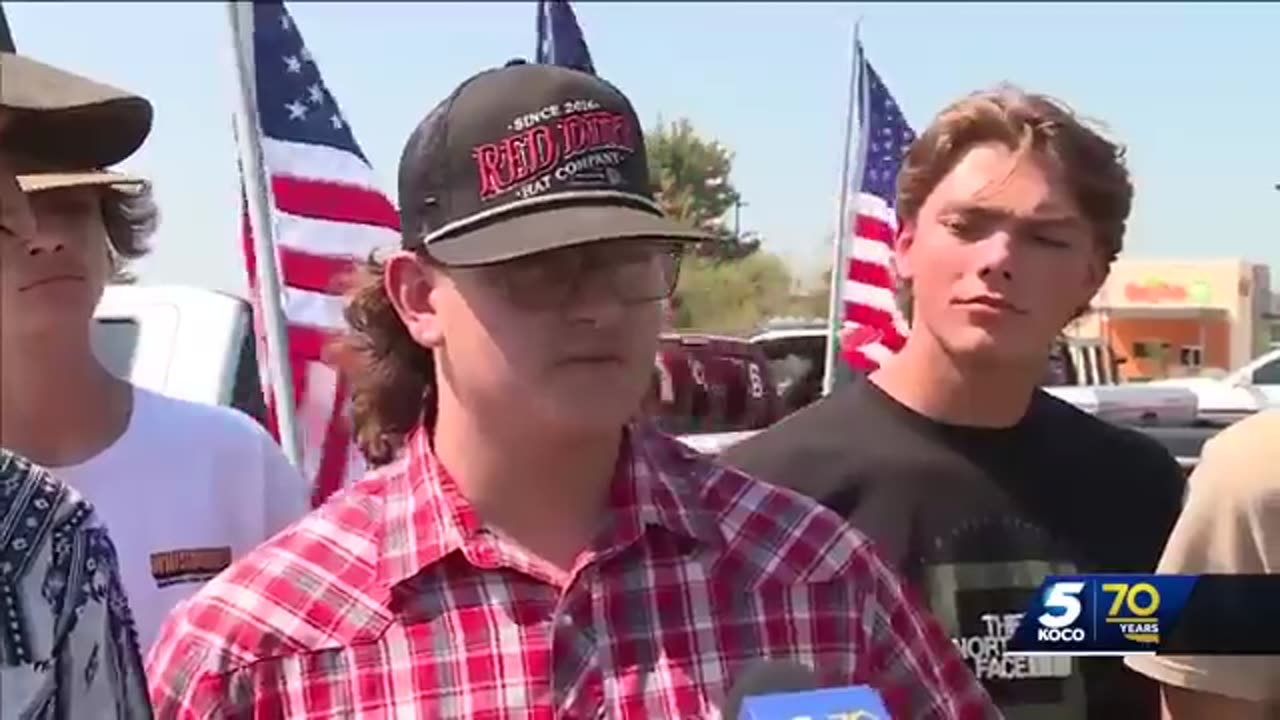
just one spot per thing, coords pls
(707, 386)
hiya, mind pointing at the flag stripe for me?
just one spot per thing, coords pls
(868, 227)
(333, 239)
(304, 306)
(313, 309)
(864, 303)
(322, 163)
(876, 275)
(323, 200)
(309, 341)
(874, 251)
(316, 273)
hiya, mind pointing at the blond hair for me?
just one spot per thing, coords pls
(1092, 166)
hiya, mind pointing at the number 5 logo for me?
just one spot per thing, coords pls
(1062, 605)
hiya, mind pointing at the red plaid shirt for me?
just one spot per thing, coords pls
(392, 601)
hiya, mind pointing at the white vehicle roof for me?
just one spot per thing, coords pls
(184, 342)
(121, 300)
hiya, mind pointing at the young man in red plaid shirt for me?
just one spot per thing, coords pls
(523, 551)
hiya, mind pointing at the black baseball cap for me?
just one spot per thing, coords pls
(527, 158)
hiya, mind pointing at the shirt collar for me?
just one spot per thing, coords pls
(658, 485)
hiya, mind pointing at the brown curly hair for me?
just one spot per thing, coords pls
(130, 217)
(391, 376)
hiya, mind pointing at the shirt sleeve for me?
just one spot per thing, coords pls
(1231, 525)
(99, 662)
(911, 661)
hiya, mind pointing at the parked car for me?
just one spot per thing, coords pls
(1254, 387)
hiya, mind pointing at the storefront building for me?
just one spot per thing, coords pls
(1169, 318)
(1273, 318)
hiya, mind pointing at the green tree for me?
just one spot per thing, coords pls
(812, 299)
(690, 176)
(732, 297)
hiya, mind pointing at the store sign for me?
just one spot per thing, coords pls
(1154, 291)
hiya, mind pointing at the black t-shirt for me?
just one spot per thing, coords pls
(975, 518)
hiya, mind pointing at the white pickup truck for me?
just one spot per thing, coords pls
(184, 342)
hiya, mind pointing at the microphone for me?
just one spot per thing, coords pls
(786, 690)
(767, 677)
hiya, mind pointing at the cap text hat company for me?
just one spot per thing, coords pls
(527, 158)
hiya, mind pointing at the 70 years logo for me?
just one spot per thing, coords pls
(1100, 614)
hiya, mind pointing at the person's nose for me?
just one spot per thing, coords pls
(996, 257)
(41, 244)
(594, 300)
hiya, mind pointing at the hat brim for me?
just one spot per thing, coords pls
(544, 229)
(66, 120)
(40, 182)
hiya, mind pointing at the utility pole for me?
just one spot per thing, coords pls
(737, 217)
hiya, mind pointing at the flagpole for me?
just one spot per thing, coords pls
(840, 252)
(258, 199)
(541, 32)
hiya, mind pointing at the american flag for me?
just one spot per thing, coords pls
(327, 212)
(870, 307)
(560, 40)
(6, 35)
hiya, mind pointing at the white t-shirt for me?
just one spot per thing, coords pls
(187, 489)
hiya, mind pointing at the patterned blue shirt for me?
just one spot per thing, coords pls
(68, 648)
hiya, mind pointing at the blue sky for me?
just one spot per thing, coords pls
(1191, 89)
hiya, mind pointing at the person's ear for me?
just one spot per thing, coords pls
(411, 287)
(903, 242)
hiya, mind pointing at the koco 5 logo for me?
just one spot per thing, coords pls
(1062, 608)
(1131, 606)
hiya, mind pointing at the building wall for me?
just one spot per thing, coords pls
(1265, 303)
(1209, 336)
(1271, 318)
(1144, 299)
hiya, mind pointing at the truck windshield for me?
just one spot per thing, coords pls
(115, 342)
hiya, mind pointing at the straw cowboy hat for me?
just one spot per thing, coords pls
(59, 129)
